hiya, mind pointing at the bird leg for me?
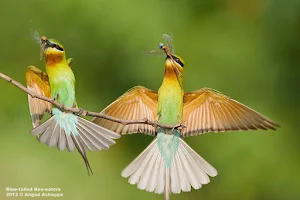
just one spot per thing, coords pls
(179, 126)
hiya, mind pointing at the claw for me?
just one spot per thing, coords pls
(82, 112)
(179, 126)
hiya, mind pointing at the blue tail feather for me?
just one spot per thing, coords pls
(167, 145)
(67, 121)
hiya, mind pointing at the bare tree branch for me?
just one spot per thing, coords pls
(83, 112)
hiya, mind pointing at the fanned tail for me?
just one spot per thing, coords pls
(150, 172)
(66, 130)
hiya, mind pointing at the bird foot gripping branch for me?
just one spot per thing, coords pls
(82, 112)
(180, 126)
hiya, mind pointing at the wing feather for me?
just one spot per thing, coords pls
(136, 104)
(207, 110)
(37, 81)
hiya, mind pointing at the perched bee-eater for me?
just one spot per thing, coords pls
(168, 164)
(64, 130)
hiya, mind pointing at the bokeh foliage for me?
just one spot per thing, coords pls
(247, 49)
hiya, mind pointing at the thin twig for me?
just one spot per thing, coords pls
(84, 112)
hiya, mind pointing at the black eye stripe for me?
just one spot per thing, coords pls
(61, 49)
(178, 61)
(56, 46)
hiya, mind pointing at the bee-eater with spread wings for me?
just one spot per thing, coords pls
(64, 130)
(168, 164)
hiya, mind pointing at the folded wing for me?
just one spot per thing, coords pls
(37, 81)
(137, 103)
(207, 110)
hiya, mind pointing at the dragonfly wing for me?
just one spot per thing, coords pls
(169, 42)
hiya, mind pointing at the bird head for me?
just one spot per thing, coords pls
(173, 62)
(53, 50)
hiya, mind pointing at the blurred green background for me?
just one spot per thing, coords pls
(247, 49)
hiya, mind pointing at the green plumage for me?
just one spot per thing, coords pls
(170, 104)
(62, 84)
(62, 88)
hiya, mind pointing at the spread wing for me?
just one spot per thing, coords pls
(37, 81)
(207, 110)
(137, 103)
